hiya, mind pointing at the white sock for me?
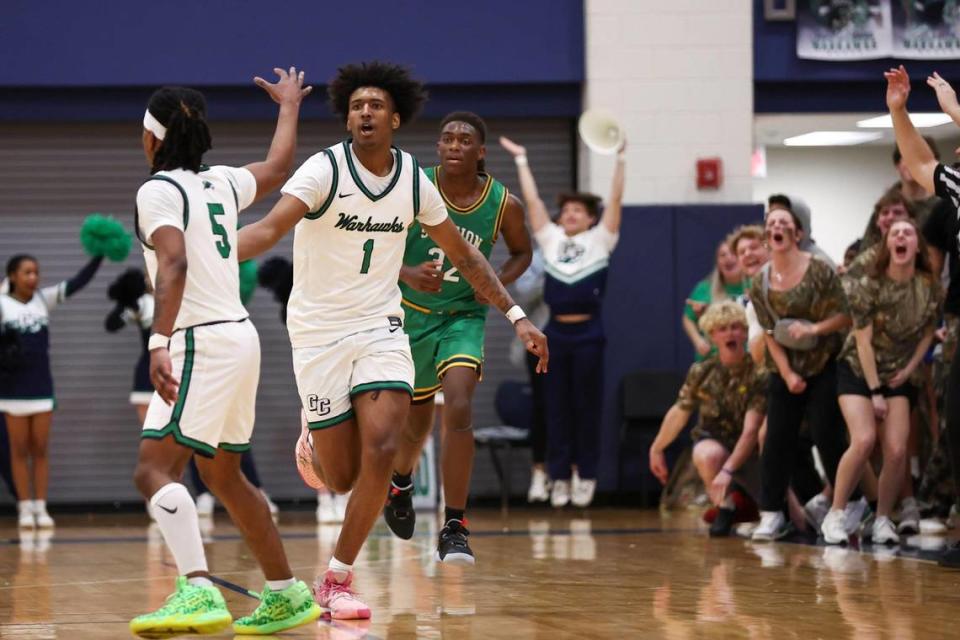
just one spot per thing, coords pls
(176, 514)
(25, 506)
(200, 581)
(39, 506)
(340, 569)
(280, 585)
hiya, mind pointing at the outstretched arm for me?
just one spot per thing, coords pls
(673, 423)
(470, 262)
(536, 209)
(287, 92)
(83, 277)
(612, 212)
(255, 238)
(946, 96)
(916, 153)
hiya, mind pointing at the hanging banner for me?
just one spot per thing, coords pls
(844, 29)
(926, 29)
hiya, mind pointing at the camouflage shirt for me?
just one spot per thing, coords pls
(860, 265)
(818, 296)
(723, 395)
(900, 313)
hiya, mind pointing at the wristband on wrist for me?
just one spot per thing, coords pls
(726, 471)
(521, 161)
(158, 341)
(515, 314)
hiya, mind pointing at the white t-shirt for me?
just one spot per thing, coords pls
(205, 206)
(348, 250)
(570, 259)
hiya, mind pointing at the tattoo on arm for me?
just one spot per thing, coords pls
(483, 278)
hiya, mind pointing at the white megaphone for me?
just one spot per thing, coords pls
(601, 131)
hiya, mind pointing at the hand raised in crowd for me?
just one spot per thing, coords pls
(703, 347)
(512, 147)
(879, 406)
(795, 383)
(946, 96)
(898, 88)
(425, 277)
(288, 89)
(658, 466)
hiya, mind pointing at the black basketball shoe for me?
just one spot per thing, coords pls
(452, 547)
(399, 513)
(723, 523)
(950, 557)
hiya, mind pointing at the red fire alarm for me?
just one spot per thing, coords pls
(709, 173)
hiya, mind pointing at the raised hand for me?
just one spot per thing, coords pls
(898, 88)
(946, 96)
(512, 147)
(288, 89)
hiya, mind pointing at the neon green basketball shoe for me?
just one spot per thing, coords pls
(280, 610)
(189, 609)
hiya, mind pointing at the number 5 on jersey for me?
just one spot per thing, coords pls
(223, 244)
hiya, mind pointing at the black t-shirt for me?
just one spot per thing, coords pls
(940, 231)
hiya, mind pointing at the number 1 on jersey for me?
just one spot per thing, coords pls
(367, 254)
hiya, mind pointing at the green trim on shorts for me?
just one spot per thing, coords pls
(385, 385)
(234, 448)
(330, 422)
(173, 427)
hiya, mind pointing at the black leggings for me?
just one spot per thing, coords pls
(952, 431)
(538, 418)
(785, 412)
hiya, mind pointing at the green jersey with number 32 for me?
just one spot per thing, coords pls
(479, 224)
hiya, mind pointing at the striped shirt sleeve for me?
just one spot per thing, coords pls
(946, 181)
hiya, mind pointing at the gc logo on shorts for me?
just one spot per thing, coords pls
(318, 405)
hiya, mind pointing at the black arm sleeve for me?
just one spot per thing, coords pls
(83, 277)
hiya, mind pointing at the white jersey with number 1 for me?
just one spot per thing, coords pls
(205, 206)
(348, 249)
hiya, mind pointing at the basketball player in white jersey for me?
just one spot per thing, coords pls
(205, 357)
(351, 205)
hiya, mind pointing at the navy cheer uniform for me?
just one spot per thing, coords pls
(576, 276)
(29, 390)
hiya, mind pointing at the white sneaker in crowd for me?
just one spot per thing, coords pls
(539, 490)
(773, 526)
(583, 490)
(331, 508)
(205, 505)
(816, 509)
(884, 531)
(909, 516)
(44, 521)
(933, 527)
(340, 501)
(25, 517)
(854, 512)
(560, 493)
(834, 527)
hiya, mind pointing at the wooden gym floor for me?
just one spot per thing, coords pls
(540, 574)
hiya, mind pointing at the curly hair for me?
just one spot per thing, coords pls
(407, 94)
(723, 313)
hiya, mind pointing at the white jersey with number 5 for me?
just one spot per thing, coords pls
(348, 249)
(205, 207)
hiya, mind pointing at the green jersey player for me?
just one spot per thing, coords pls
(444, 318)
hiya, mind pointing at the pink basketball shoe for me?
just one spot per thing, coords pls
(339, 598)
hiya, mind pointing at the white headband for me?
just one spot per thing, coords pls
(153, 125)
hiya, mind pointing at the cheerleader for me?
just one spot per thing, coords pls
(26, 390)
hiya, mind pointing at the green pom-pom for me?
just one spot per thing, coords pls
(248, 280)
(105, 236)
